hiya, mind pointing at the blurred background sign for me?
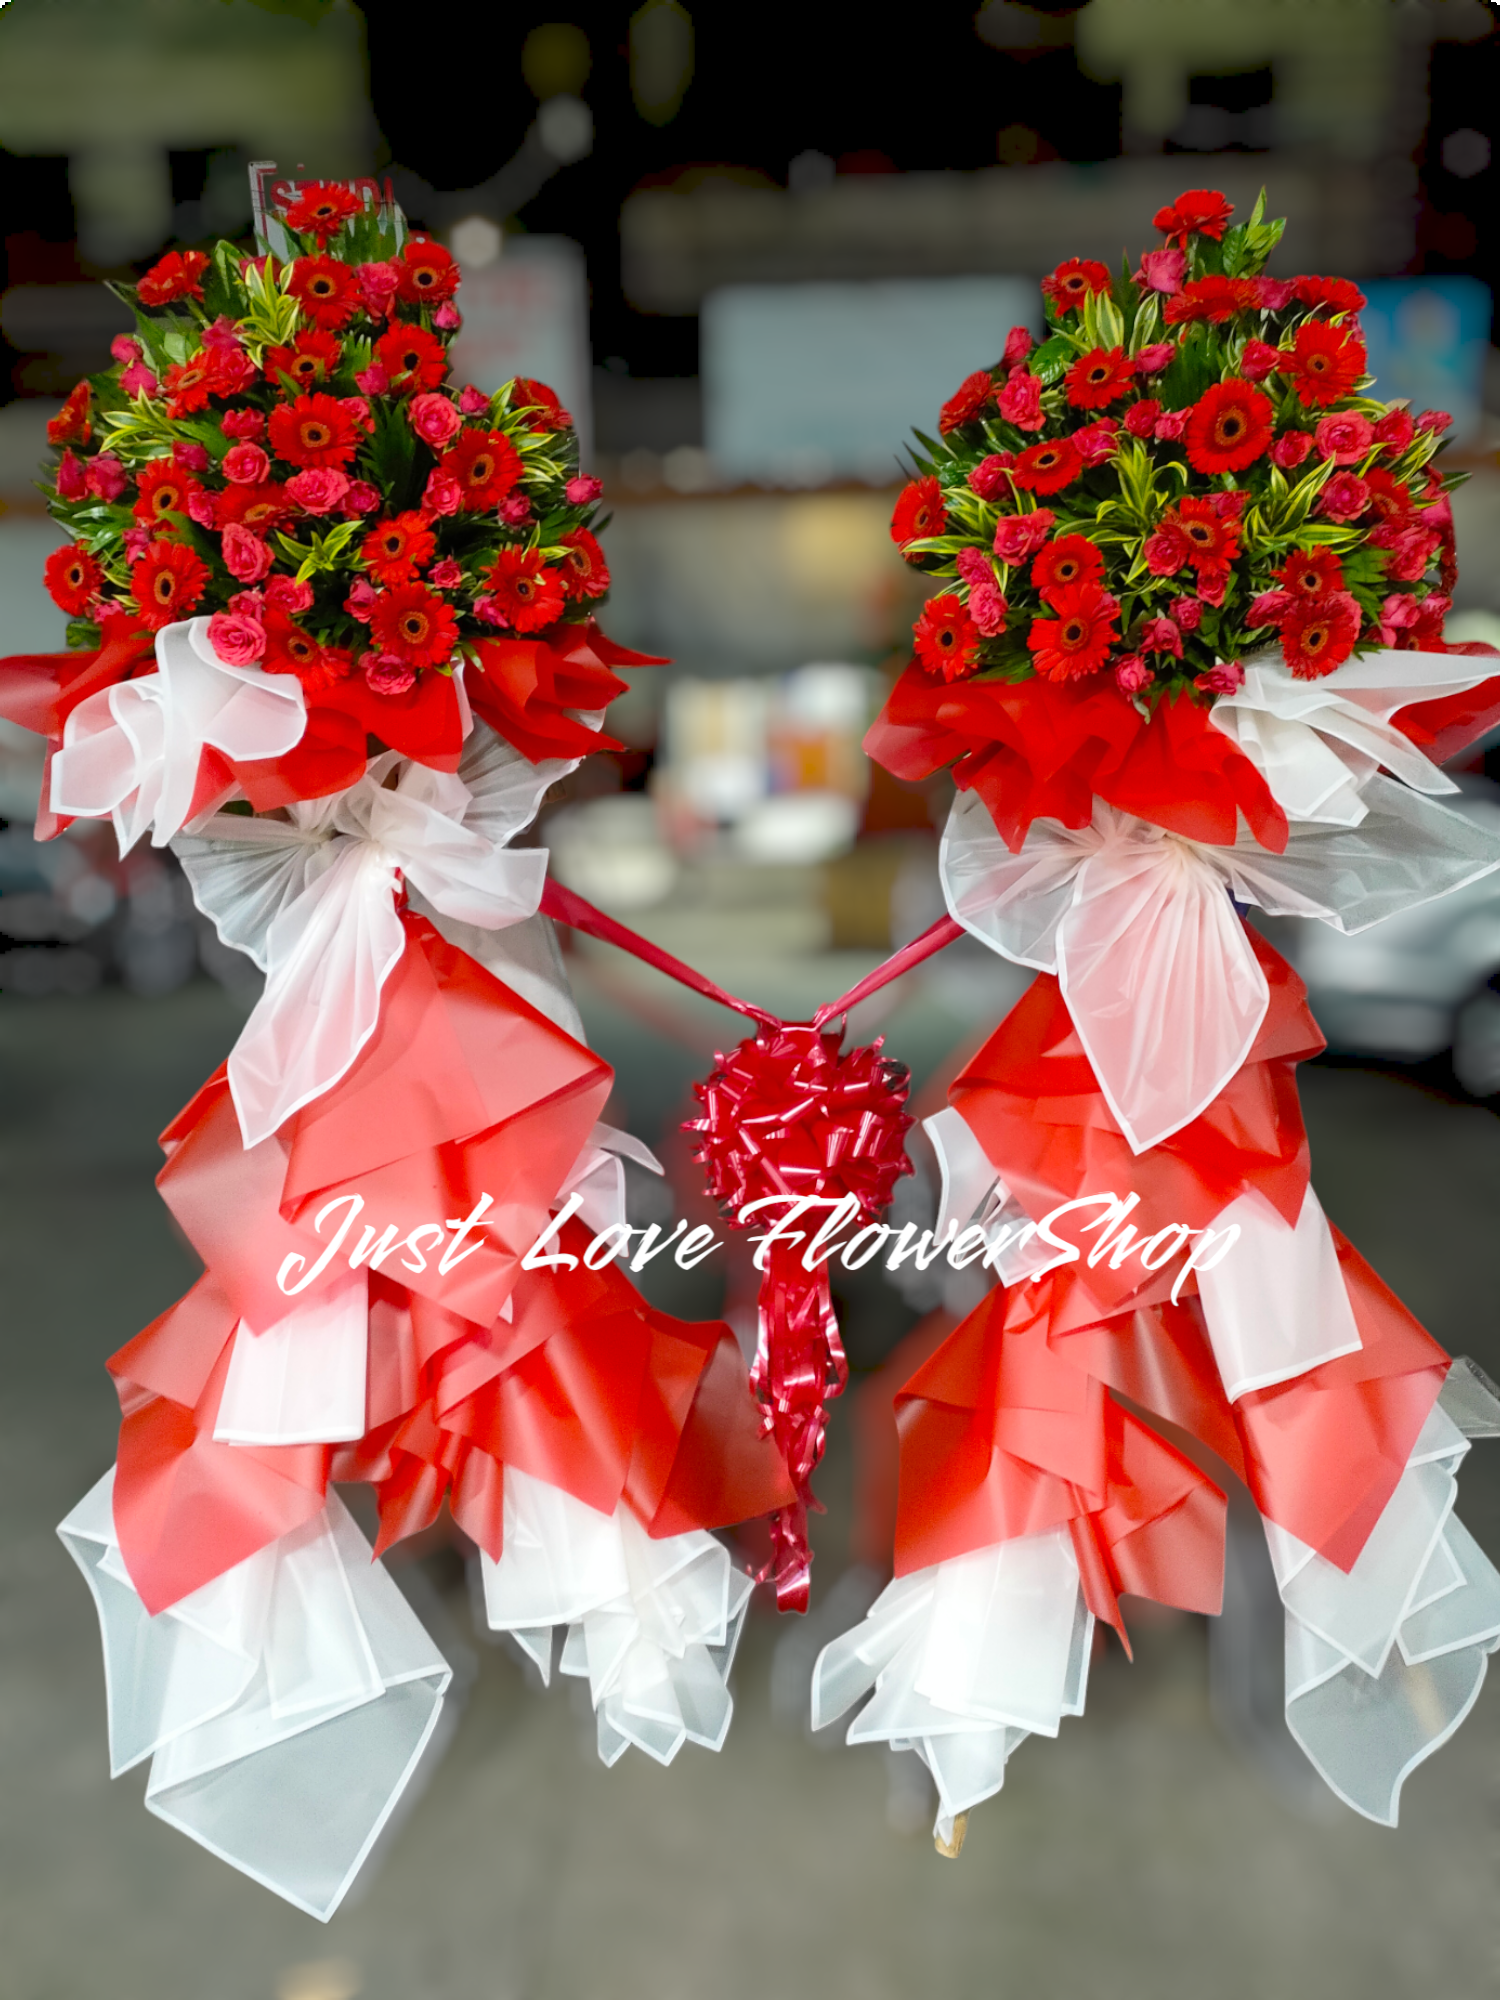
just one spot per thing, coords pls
(1429, 339)
(803, 384)
(526, 312)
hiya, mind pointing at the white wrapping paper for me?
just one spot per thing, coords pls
(1384, 1663)
(131, 752)
(652, 1625)
(966, 1659)
(285, 1706)
(1316, 742)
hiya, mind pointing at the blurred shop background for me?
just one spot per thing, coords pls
(751, 248)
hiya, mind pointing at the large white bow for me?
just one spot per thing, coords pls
(312, 899)
(131, 752)
(1317, 742)
(1160, 981)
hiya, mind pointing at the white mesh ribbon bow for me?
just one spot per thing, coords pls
(131, 752)
(312, 899)
(1158, 975)
(1317, 742)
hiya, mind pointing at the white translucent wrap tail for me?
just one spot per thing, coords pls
(652, 1625)
(285, 1706)
(1383, 1664)
(966, 1659)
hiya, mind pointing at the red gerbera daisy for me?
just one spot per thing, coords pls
(529, 594)
(189, 384)
(1310, 573)
(311, 360)
(1325, 362)
(1077, 639)
(1214, 298)
(412, 357)
(584, 571)
(1336, 293)
(313, 430)
(1389, 496)
(538, 406)
(428, 273)
(167, 583)
(966, 401)
(258, 508)
(322, 208)
(72, 578)
(1200, 211)
(486, 465)
(919, 512)
(71, 424)
(947, 639)
(1319, 634)
(178, 275)
(162, 490)
(393, 550)
(289, 650)
(1070, 559)
(1047, 468)
(1099, 378)
(1212, 539)
(1228, 428)
(415, 624)
(326, 290)
(1073, 282)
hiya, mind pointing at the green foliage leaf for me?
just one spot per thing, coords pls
(1051, 361)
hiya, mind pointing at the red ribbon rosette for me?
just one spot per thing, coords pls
(787, 1120)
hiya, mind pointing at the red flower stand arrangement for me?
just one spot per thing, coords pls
(333, 639)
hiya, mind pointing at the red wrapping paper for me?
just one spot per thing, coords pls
(463, 1090)
(1010, 1427)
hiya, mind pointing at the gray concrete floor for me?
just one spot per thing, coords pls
(1136, 1856)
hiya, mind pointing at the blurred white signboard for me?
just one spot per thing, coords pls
(528, 314)
(808, 383)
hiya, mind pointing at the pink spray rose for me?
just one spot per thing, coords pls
(442, 494)
(1162, 270)
(433, 418)
(238, 641)
(246, 465)
(319, 489)
(285, 593)
(246, 556)
(1018, 536)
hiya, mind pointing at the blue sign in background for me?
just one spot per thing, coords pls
(1428, 339)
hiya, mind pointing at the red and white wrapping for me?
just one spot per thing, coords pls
(313, 901)
(362, 1181)
(966, 1659)
(1155, 1066)
(299, 1674)
(134, 752)
(652, 1625)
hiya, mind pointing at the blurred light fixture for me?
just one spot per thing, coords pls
(808, 171)
(476, 242)
(555, 60)
(565, 126)
(1466, 153)
(661, 59)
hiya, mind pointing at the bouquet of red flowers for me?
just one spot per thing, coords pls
(1187, 474)
(280, 446)
(1188, 465)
